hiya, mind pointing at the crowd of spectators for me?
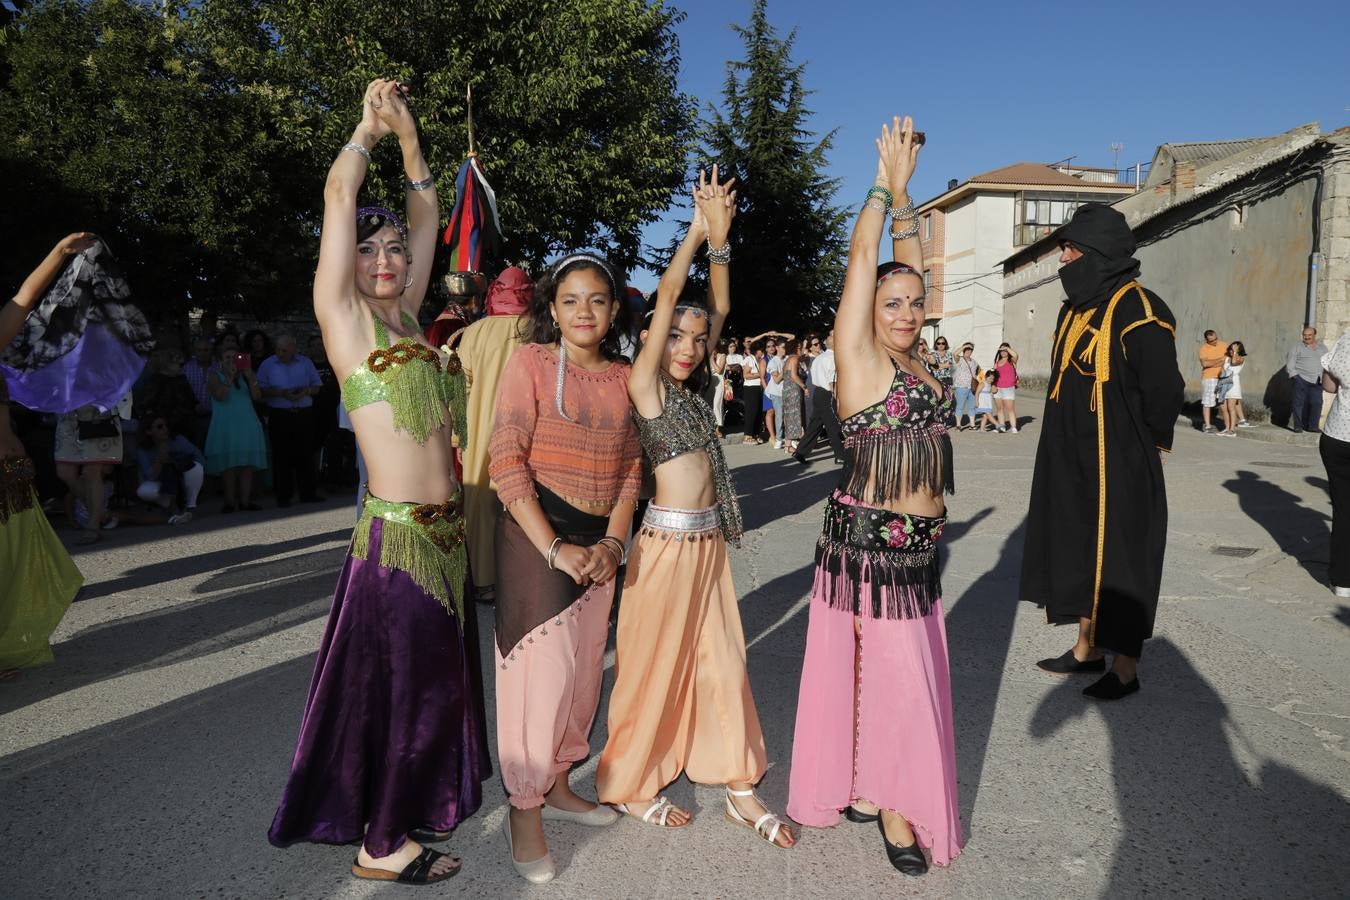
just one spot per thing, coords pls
(230, 421)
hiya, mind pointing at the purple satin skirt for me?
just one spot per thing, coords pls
(391, 738)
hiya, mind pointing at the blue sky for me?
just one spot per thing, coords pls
(998, 83)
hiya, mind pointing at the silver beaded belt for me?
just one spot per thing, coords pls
(690, 521)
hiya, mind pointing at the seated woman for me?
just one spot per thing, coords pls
(681, 700)
(391, 751)
(171, 468)
(874, 713)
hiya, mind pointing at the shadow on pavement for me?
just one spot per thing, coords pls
(979, 633)
(773, 490)
(955, 531)
(215, 811)
(1193, 821)
(1297, 530)
(1343, 615)
(206, 521)
(185, 631)
(183, 567)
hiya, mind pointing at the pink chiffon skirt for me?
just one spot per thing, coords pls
(874, 723)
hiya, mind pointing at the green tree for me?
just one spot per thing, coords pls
(196, 135)
(790, 242)
(121, 125)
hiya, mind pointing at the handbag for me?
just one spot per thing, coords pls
(97, 429)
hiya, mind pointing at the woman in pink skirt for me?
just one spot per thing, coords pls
(876, 633)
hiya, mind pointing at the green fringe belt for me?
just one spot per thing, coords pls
(16, 486)
(425, 540)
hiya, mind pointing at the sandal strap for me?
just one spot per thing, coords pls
(416, 872)
(772, 836)
(660, 806)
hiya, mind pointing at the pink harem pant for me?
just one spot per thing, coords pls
(548, 690)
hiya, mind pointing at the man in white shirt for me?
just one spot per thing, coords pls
(823, 414)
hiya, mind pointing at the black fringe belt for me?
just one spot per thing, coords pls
(896, 554)
(16, 486)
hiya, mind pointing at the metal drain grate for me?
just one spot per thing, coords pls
(1276, 464)
(1239, 552)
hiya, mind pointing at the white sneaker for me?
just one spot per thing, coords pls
(1342, 591)
(1014, 429)
(778, 445)
(1245, 424)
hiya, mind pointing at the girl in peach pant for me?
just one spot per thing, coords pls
(681, 698)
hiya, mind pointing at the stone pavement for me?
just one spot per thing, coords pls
(147, 761)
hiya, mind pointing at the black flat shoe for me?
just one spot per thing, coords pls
(423, 835)
(862, 818)
(1110, 687)
(1068, 664)
(906, 860)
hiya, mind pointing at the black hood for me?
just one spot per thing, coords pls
(1108, 255)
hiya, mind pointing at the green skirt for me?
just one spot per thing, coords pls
(40, 579)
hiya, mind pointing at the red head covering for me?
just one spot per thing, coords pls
(510, 294)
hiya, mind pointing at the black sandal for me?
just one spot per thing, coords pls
(416, 872)
(424, 834)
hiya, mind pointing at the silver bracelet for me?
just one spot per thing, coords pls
(358, 149)
(911, 231)
(901, 212)
(425, 184)
(875, 203)
(553, 551)
(720, 256)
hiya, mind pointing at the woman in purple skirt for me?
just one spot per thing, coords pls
(392, 750)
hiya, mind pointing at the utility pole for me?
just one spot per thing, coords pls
(1115, 149)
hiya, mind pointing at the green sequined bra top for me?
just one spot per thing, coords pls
(407, 375)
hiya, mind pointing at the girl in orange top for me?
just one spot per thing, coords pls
(566, 461)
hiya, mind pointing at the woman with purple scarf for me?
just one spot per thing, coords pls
(391, 752)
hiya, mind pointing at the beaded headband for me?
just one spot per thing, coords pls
(377, 217)
(588, 258)
(900, 269)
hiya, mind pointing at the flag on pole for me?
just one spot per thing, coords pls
(474, 231)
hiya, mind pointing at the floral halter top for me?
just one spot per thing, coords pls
(899, 444)
(407, 375)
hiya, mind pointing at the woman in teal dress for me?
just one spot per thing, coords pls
(235, 445)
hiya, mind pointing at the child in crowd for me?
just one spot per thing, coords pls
(1229, 389)
(984, 403)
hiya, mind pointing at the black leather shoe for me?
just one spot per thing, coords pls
(1110, 687)
(799, 459)
(906, 860)
(862, 818)
(1068, 664)
(424, 835)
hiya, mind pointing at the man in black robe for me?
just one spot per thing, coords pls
(1097, 524)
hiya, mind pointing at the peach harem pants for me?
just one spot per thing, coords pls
(681, 699)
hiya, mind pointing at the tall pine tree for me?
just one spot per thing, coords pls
(789, 242)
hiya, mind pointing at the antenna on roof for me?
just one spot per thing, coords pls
(1116, 147)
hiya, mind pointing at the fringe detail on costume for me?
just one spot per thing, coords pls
(889, 464)
(417, 395)
(16, 486)
(457, 380)
(439, 572)
(902, 585)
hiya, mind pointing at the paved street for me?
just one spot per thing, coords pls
(147, 761)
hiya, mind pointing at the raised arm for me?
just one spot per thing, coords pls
(718, 208)
(855, 341)
(423, 206)
(643, 380)
(714, 208)
(333, 296)
(13, 313)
